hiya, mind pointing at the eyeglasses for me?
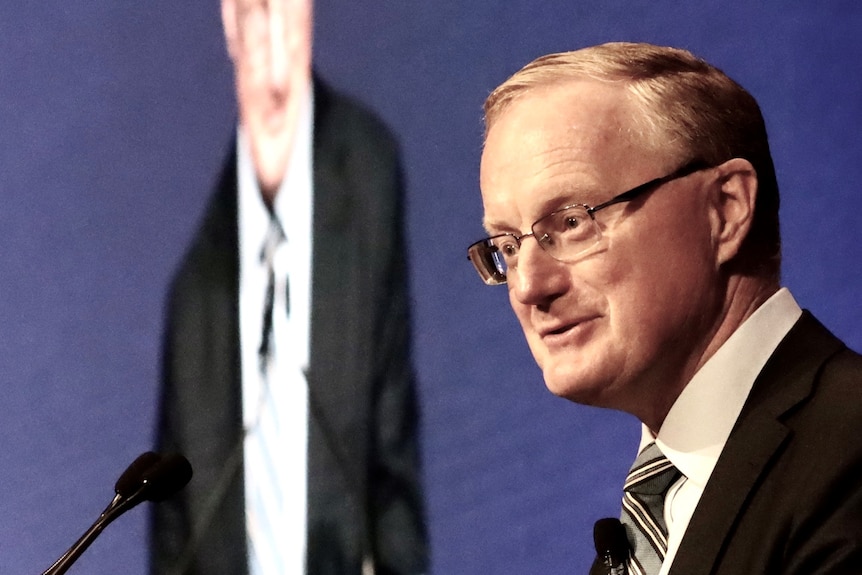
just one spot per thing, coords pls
(564, 234)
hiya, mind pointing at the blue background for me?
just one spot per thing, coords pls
(114, 118)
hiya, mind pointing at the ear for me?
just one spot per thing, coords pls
(231, 28)
(733, 207)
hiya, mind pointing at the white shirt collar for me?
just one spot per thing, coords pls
(699, 422)
(293, 210)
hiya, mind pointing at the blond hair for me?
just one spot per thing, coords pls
(682, 105)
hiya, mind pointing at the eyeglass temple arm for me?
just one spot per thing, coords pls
(687, 169)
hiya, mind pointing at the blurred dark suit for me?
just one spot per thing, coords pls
(363, 464)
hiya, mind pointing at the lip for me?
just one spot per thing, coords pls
(274, 120)
(566, 333)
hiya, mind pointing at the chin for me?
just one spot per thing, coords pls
(576, 385)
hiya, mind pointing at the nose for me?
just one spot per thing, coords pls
(279, 56)
(538, 278)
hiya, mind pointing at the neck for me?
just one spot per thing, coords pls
(268, 193)
(744, 294)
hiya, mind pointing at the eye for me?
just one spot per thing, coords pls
(507, 246)
(509, 249)
(569, 223)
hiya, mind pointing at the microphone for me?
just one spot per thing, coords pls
(612, 546)
(150, 477)
(162, 480)
(131, 478)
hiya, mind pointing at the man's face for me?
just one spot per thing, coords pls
(624, 325)
(269, 42)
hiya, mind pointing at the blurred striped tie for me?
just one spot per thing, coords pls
(650, 477)
(263, 493)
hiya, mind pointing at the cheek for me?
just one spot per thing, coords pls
(523, 313)
(249, 93)
(679, 264)
(660, 287)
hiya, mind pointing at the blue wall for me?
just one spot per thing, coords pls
(113, 120)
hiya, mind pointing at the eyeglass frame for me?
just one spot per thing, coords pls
(497, 277)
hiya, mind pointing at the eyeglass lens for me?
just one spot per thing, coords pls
(564, 234)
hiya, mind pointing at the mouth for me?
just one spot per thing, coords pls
(568, 333)
(559, 331)
(274, 120)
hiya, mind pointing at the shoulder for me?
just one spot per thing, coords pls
(834, 408)
(349, 127)
(211, 256)
(357, 165)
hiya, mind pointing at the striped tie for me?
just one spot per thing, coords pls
(274, 237)
(643, 509)
(263, 478)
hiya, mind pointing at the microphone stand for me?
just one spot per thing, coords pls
(115, 508)
(150, 477)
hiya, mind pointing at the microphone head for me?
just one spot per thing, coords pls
(132, 477)
(166, 477)
(611, 540)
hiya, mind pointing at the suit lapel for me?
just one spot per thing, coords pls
(336, 392)
(745, 457)
(332, 264)
(219, 262)
(758, 436)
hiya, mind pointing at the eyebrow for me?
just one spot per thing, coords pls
(245, 5)
(493, 228)
(558, 199)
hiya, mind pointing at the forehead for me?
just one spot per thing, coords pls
(285, 7)
(572, 141)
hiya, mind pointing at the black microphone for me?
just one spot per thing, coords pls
(163, 479)
(612, 546)
(150, 477)
(131, 478)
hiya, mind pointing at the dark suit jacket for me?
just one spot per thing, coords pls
(364, 494)
(786, 494)
(785, 497)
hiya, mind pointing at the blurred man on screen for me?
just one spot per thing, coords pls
(287, 373)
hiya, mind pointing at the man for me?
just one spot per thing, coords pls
(632, 206)
(287, 377)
